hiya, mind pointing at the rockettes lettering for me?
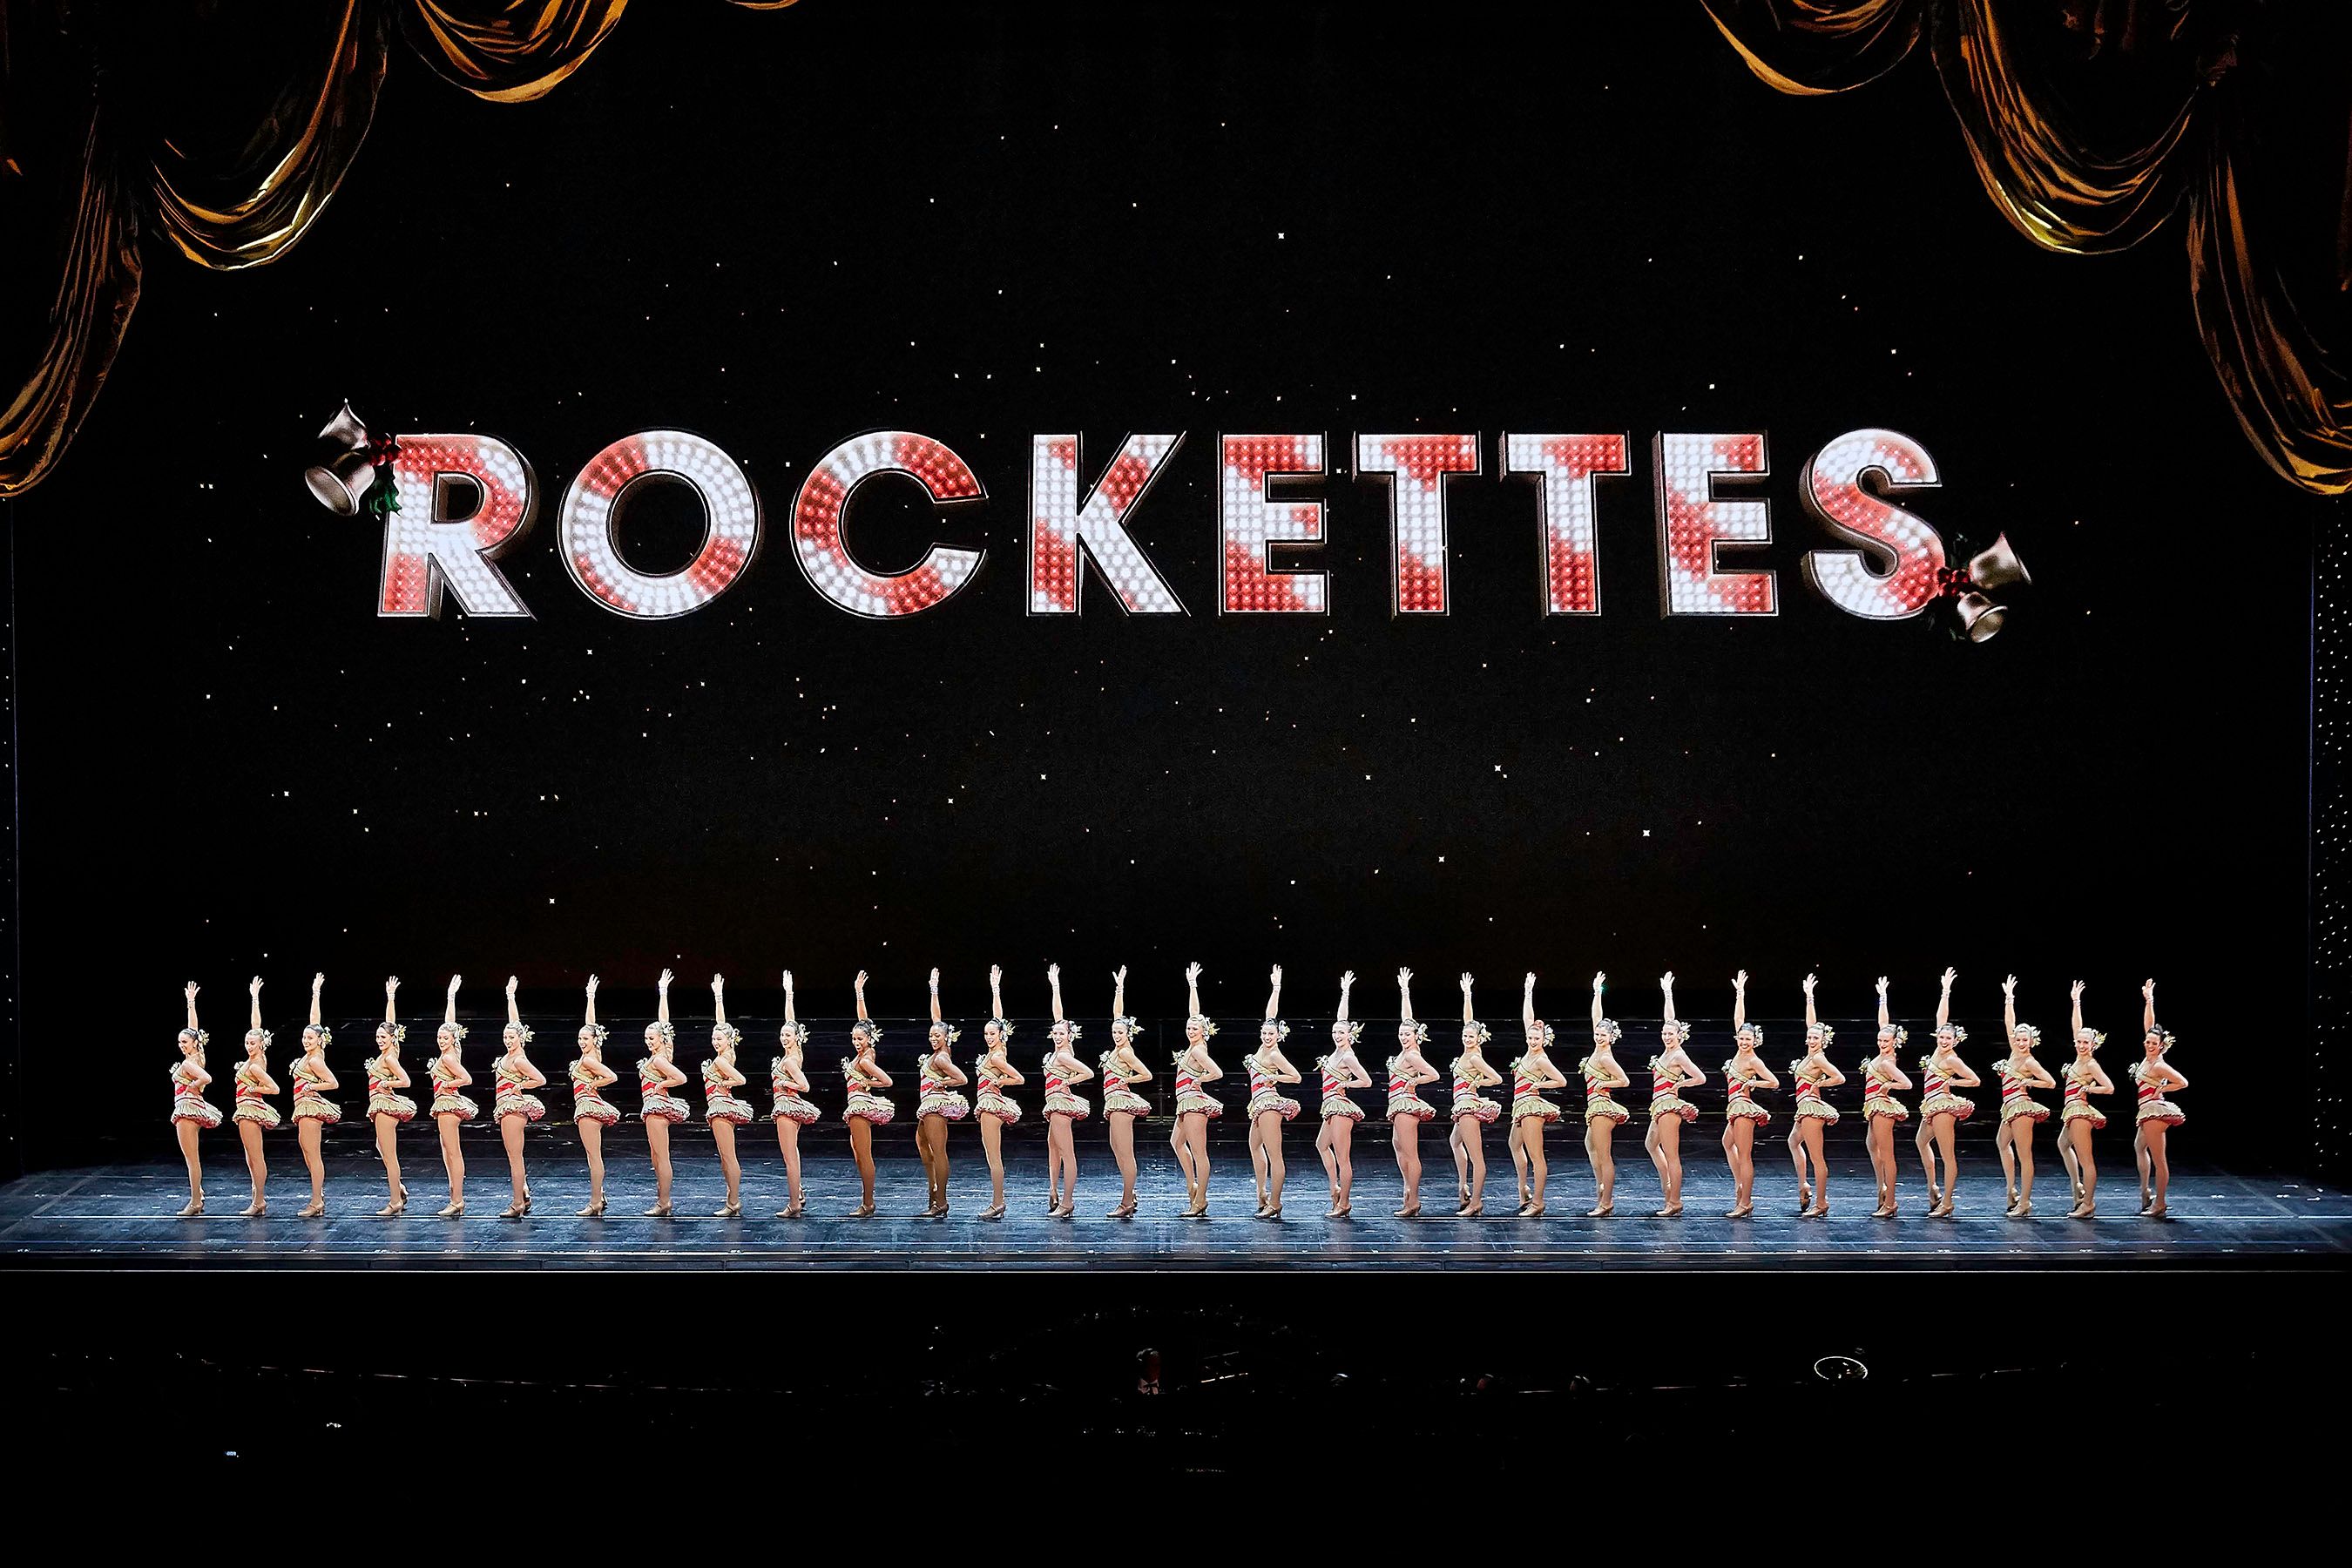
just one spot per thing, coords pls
(453, 505)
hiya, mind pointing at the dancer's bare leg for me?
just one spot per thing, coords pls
(187, 1134)
(257, 1170)
(592, 1143)
(1404, 1133)
(307, 1133)
(453, 1162)
(658, 1141)
(387, 1151)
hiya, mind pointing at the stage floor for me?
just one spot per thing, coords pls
(116, 1216)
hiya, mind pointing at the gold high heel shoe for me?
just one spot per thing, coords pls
(194, 1208)
(453, 1209)
(593, 1210)
(727, 1211)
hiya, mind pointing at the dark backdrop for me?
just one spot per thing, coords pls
(782, 230)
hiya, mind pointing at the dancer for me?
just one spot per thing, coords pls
(1743, 1075)
(387, 1108)
(1408, 1071)
(1530, 1113)
(1471, 1112)
(591, 1111)
(1121, 1068)
(1813, 1116)
(2020, 1111)
(191, 1112)
(313, 1111)
(512, 1078)
(1882, 1075)
(1671, 1072)
(1940, 1111)
(722, 1107)
(938, 1103)
(788, 1088)
(254, 1113)
(1195, 1105)
(2152, 1076)
(657, 1108)
(1602, 1114)
(1341, 1072)
(866, 1109)
(451, 1108)
(1269, 1108)
(996, 1074)
(1064, 1107)
(2079, 1118)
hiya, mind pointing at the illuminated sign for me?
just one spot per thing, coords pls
(455, 505)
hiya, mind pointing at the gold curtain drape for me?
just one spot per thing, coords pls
(2090, 124)
(242, 205)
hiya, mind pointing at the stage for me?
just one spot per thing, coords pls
(121, 1217)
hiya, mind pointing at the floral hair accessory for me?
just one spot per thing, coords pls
(1281, 1029)
(1355, 1028)
(326, 1036)
(2030, 1032)
(1003, 1027)
(1416, 1030)
(455, 1031)
(2164, 1035)
(2097, 1037)
(201, 1036)
(1541, 1035)
(1208, 1025)
(1958, 1033)
(1674, 1031)
(1479, 1033)
(1125, 1021)
(1753, 1034)
(729, 1033)
(665, 1032)
(1818, 1033)
(953, 1033)
(867, 1030)
(1074, 1031)
(794, 1033)
(524, 1030)
(599, 1031)
(399, 1032)
(1895, 1033)
(1608, 1030)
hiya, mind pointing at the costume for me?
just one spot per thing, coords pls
(383, 1098)
(2078, 1106)
(656, 1102)
(588, 1101)
(718, 1100)
(1525, 1100)
(1878, 1094)
(1467, 1100)
(788, 1105)
(507, 1098)
(310, 1101)
(1402, 1099)
(1739, 1099)
(1599, 1106)
(1116, 1096)
(1192, 1100)
(1665, 1093)
(188, 1101)
(1809, 1096)
(447, 1099)
(2153, 1106)
(1936, 1098)
(864, 1104)
(1061, 1100)
(2014, 1099)
(1266, 1094)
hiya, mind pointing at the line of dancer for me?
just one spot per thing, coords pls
(940, 1102)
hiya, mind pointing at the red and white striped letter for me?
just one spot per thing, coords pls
(1564, 468)
(1062, 533)
(820, 546)
(1911, 552)
(1692, 523)
(1417, 467)
(592, 512)
(423, 548)
(1248, 522)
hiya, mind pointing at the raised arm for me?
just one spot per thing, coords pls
(2008, 1007)
(661, 1003)
(2076, 993)
(199, 1028)
(514, 1012)
(1347, 983)
(790, 1016)
(1884, 1019)
(719, 1000)
(2147, 1024)
(1273, 997)
(1944, 1000)
(448, 1008)
(1192, 990)
(937, 1017)
(995, 991)
(1118, 992)
(390, 1014)
(591, 1019)
(1667, 987)
(1598, 981)
(317, 982)
(253, 991)
(1469, 1013)
(861, 998)
(1738, 1002)
(1527, 1008)
(1404, 992)
(1812, 1020)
